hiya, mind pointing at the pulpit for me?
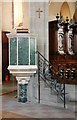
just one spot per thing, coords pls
(22, 60)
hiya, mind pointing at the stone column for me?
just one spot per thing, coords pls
(22, 88)
(39, 25)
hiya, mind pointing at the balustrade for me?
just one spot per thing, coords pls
(67, 73)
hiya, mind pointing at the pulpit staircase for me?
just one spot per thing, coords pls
(54, 78)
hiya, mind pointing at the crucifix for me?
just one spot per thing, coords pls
(39, 11)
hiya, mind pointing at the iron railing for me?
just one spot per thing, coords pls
(50, 75)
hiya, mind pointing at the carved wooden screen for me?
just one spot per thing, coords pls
(70, 41)
(60, 40)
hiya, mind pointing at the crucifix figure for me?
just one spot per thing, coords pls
(39, 11)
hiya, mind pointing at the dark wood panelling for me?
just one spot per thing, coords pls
(56, 58)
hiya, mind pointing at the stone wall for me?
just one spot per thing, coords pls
(39, 25)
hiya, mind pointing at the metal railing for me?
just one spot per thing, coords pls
(50, 75)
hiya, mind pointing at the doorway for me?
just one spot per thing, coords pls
(5, 56)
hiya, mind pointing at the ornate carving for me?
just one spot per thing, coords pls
(70, 42)
(60, 40)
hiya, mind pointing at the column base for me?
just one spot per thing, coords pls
(22, 89)
(23, 100)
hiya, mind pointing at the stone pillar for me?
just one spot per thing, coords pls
(39, 25)
(22, 88)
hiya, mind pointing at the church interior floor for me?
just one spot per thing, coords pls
(11, 108)
(8, 87)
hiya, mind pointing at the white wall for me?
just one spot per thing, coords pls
(7, 15)
(54, 8)
(39, 26)
(72, 8)
(26, 15)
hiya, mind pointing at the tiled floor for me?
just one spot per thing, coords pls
(6, 114)
(11, 108)
(9, 86)
(34, 110)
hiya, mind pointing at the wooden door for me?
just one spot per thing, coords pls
(5, 55)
